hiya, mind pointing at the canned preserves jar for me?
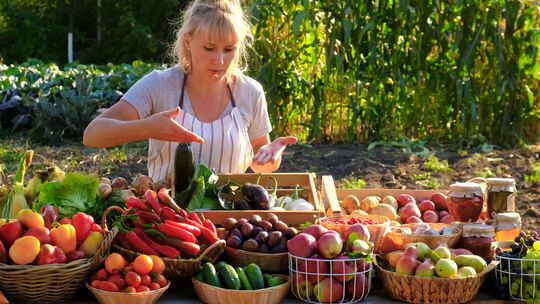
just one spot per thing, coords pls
(501, 195)
(479, 239)
(465, 201)
(507, 226)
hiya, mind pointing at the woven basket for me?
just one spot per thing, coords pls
(376, 231)
(109, 297)
(182, 268)
(433, 241)
(269, 262)
(415, 289)
(55, 282)
(214, 295)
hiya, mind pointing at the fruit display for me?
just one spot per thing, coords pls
(143, 274)
(42, 238)
(328, 268)
(155, 225)
(518, 272)
(418, 259)
(250, 277)
(256, 234)
(403, 208)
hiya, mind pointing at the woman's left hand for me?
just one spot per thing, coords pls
(272, 151)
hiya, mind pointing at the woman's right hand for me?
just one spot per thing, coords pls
(163, 126)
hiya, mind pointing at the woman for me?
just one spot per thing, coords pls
(205, 99)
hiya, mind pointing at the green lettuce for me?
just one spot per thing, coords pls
(77, 192)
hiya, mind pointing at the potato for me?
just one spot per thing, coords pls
(350, 203)
(390, 200)
(384, 210)
(369, 202)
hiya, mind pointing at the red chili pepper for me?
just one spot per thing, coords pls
(82, 223)
(151, 196)
(188, 248)
(168, 214)
(164, 250)
(165, 198)
(208, 224)
(139, 244)
(194, 230)
(133, 202)
(177, 232)
(148, 216)
(194, 216)
(124, 242)
(207, 235)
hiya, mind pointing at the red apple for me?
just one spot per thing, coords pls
(356, 232)
(342, 270)
(302, 245)
(413, 219)
(330, 245)
(315, 230)
(410, 209)
(316, 270)
(329, 290)
(430, 216)
(301, 287)
(404, 199)
(41, 233)
(358, 288)
(440, 201)
(426, 205)
(447, 219)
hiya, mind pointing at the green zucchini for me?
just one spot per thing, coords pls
(243, 278)
(255, 276)
(210, 275)
(229, 276)
(184, 167)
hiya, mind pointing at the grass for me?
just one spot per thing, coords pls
(352, 183)
(485, 173)
(534, 176)
(432, 163)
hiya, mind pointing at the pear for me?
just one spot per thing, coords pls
(476, 262)
(425, 269)
(407, 263)
(422, 249)
(440, 252)
(446, 268)
(466, 272)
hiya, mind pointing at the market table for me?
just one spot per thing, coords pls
(181, 292)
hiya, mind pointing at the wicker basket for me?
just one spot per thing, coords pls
(433, 241)
(109, 297)
(182, 268)
(42, 283)
(415, 289)
(376, 231)
(269, 262)
(214, 295)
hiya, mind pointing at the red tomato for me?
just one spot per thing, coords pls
(102, 274)
(143, 288)
(146, 280)
(133, 279)
(117, 280)
(154, 286)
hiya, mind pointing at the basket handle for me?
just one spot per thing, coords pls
(213, 251)
(106, 212)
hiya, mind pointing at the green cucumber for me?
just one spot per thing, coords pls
(210, 275)
(229, 276)
(199, 277)
(255, 276)
(219, 265)
(275, 281)
(243, 278)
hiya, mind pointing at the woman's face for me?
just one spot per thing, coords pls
(211, 58)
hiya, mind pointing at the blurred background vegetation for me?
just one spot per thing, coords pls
(460, 72)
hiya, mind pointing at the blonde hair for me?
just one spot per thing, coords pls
(217, 19)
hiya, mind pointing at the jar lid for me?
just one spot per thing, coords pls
(508, 217)
(496, 181)
(478, 229)
(465, 188)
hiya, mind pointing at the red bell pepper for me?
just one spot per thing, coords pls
(97, 228)
(82, 223)
(10, 232)
(194, 230)
(177, 232)
(64, 221)
(139, 244)
(3, 253)
(152, 199)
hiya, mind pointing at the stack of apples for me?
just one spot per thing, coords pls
(327, 267)
(433, 210)
(419, 259)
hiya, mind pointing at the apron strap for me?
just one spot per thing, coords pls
(181, 101)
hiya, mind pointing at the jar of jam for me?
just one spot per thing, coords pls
(501, 195)
(479, 239)
(507, 226)
(465, 201)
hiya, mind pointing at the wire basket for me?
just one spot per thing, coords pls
(342, 280)
(517, 278)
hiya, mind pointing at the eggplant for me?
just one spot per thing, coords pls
(257, 196)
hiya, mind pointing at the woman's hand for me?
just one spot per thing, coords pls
(163, 126)
(272, 152)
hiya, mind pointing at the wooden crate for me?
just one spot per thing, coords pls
(332, 196)
(286, 186)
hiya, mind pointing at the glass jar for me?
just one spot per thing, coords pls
(501, 195)
(507, 226)
(478, 238)
(465, 201)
